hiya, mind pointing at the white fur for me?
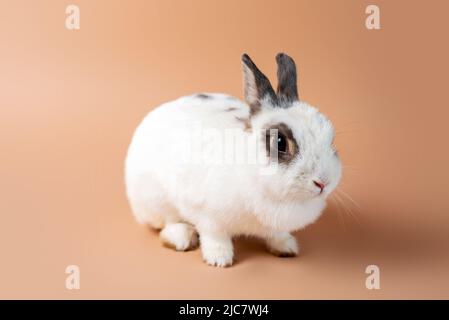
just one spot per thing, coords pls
(180, 236)
(283, 243)
(223, 201)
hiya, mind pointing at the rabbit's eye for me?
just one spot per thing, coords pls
(282, 143)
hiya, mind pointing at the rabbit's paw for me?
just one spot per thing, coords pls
(179, 236)
(217, 252)
(283, 245)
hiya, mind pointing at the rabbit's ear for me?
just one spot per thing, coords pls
(287, 90)
(256, 85)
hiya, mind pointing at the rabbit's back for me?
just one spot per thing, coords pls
(160, 163)
(164, 131)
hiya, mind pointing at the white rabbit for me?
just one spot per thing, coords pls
(172, 188)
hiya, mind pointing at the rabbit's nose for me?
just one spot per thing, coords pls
(320, 185)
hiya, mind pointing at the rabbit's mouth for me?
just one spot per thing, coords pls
(312, 193)
(302, 194)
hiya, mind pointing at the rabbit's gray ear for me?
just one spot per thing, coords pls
(287, 90)
(256, 85)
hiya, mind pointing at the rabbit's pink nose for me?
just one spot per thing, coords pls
(320, 185)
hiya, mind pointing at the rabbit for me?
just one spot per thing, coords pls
(208, 203)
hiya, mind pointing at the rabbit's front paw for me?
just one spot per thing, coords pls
(217, 252)
(179, 236)
(283, 245)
